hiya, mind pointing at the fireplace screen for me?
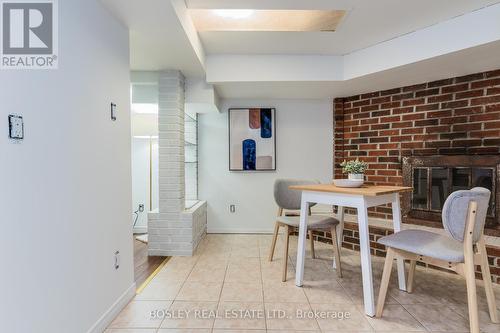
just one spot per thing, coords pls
(434, 178)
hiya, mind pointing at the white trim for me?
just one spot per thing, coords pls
(106, 319)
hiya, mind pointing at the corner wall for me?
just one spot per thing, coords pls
(65, 194)
(304, 136)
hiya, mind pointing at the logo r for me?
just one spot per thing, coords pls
(27, 28)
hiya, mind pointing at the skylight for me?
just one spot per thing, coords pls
(234, 13)
(265, 20)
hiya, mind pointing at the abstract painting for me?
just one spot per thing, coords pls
(252, 139)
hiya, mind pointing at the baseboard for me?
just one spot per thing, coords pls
(113, 311)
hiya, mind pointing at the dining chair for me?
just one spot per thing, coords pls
(464, 215)
(288, 199)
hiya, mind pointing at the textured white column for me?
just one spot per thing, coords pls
(171, 142)
(173, 230)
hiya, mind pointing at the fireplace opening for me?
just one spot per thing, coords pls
(434, 178)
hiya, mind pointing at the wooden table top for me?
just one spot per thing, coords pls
(367, 190)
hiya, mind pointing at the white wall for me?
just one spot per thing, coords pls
(65, 193)
(140, 180)
(304, 131)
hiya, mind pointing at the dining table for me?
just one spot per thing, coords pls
(360, 198)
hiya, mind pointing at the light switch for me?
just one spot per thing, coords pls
(113, 111)
(16, 127)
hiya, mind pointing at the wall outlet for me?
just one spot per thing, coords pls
(141, 208)
(16, 127)
(117, 259)
(232, 208)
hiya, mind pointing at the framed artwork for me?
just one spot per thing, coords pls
(252, 139)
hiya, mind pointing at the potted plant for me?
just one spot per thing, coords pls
(355, 169)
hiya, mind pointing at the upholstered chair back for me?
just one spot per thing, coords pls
(285, 197)
(455, 212)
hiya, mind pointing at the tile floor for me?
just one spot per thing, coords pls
(229, 286)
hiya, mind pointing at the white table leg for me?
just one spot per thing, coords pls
(366, 262)
(340, 229)
(301, 249)
(396, 217)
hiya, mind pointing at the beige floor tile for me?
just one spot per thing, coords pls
(211, 261)
(290, 316)
(131, 330)
(160, 290)
(217, 252)
(439, 301)
(421, 295)
(173, 273)
(239, 331)
(245, 252)
(283, 292)
(295, 331)
(138, 314)
(395, 318)
(245, 240)
(206, 274)
(485, 323)
(244, 263)
(187, 330)
(243, 273)
(181, 262)
(185, 314)
(200, 291)
(326, 292)
(356, 331)
(276, 275)
(341, 318)
(240, 315)
(242, 292)
(355, 291)
(438, 318)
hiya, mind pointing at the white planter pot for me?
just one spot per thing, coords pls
(356, 176)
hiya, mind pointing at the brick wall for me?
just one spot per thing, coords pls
(447, 117)
(453, 116)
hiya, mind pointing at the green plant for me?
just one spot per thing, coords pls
(354, 167)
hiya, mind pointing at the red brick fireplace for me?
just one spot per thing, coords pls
(456, 117)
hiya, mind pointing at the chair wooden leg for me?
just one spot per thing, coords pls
(485, 271)
(384, 284)
(285, 254)
(336, 251)
(311, 239)
(411, 276)
(470, 279)
(275, 237)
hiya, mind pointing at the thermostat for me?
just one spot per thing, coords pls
(16, 127)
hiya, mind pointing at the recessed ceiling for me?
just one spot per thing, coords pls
(265, 20)
(377, 44)
(366, 23)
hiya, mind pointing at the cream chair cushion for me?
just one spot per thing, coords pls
(426, 243)
(316, 222)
